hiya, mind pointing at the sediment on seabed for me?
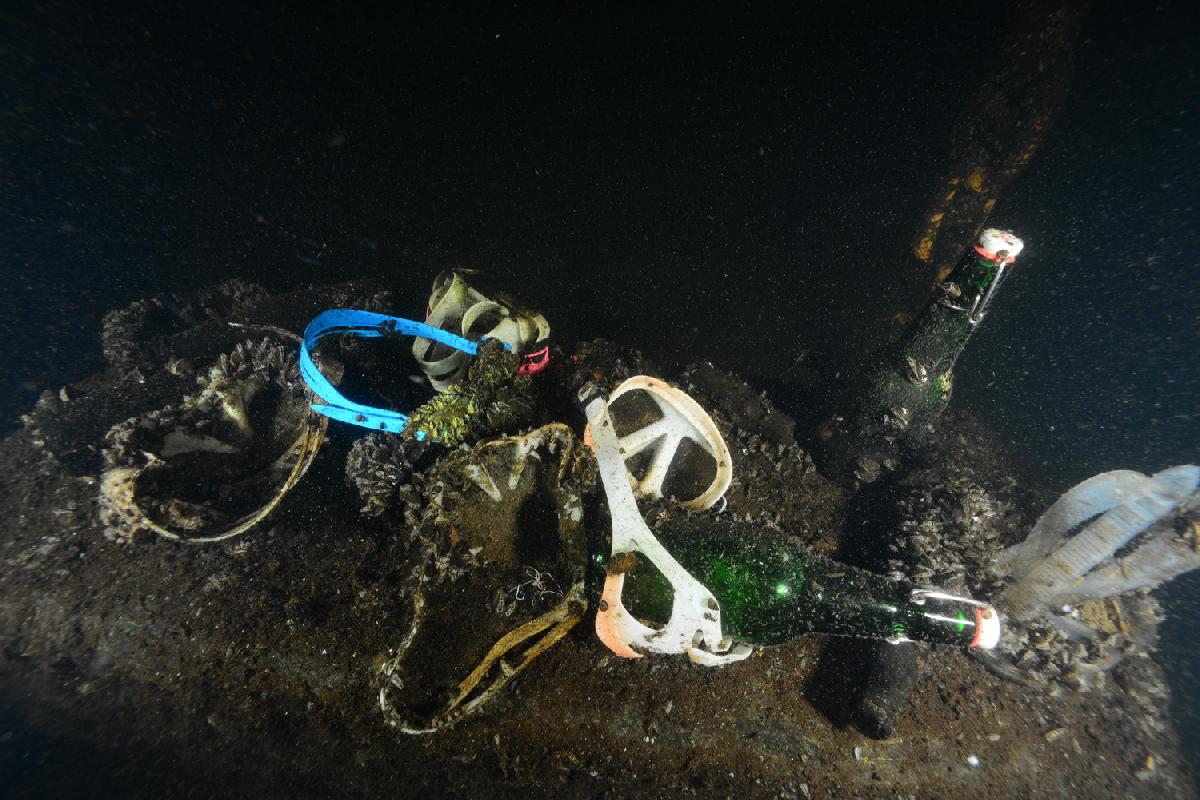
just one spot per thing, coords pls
(250, 667)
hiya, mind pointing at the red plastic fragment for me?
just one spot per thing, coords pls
(535, 362)
(992, 257)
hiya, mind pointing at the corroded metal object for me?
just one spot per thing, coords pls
(1001, 126)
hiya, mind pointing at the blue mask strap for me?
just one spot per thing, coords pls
(365, 325)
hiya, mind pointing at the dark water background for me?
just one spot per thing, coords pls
(738, 185)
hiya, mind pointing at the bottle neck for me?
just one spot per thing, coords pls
(930, 347)
(974, 280)
(904, 394)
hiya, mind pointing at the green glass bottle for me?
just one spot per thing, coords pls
(771, 591)
(902, 397)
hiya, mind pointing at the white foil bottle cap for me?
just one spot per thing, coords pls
(995, 240)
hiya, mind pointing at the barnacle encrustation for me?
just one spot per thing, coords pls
(220, 461)
(504, 527)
